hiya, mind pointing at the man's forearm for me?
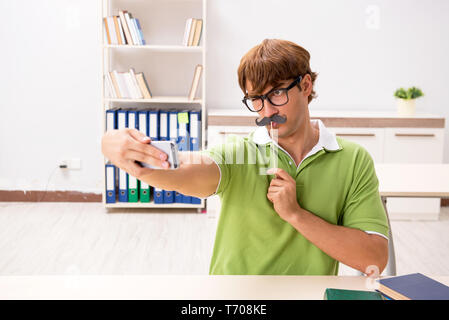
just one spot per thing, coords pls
(196, 176)
(352, 247)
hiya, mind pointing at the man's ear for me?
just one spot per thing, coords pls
(306, 86)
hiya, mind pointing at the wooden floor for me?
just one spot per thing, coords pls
(83, 238)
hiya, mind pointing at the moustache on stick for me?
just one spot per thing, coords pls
(267, 120)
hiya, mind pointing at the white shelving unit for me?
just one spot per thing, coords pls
(167, 64)
(159, 48)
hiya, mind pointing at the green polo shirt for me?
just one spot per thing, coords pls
(337, 184)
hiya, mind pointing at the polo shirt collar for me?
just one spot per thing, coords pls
(327, 140)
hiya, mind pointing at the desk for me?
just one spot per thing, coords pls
(153, 287)
(413, 180)
(410, 180)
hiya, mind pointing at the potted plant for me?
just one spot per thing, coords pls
(406, 100)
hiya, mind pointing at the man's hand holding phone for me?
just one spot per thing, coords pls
(125, 147)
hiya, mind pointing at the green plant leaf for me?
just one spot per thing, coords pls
(400, 93)
(410, 93)
(414, 93)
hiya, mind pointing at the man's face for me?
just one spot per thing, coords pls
(294, 111)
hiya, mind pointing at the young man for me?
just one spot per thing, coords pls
(319, 204)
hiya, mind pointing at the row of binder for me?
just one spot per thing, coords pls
(182, 127)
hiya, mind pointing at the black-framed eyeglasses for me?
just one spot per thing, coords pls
(277, 97)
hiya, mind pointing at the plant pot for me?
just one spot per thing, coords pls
(406, 107)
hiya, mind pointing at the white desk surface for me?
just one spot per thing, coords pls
(413, 180)
(195, 287)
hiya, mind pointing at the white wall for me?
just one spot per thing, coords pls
(50, 62)
(362, 49)
(50, 94)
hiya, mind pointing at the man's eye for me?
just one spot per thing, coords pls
(278, 92)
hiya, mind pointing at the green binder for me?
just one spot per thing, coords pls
(341, 294)
(133, 189)
(144, 192)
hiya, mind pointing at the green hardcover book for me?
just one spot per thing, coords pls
(133, 190)
(144, 192)
(341, 294)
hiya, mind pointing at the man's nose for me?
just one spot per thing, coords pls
(269, 110)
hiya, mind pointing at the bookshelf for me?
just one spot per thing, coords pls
(167, 65)
(156, 48)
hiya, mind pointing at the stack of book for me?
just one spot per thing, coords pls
(127, 85)
(123, 29)
(192, 32)
(414, 286)
(181, 127)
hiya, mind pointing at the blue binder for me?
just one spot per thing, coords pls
(145, 189)
(133, 121)
(195, 140)
(181, 198)
(163, 126)
(186, 199)
(111, 119)
(183, 132)
(111, 189)
(196, 200)
(122, 122)
(158, 196)
(164, 134)
(142, 117)
(195, 130)
(133, 183)
(169, 196)
(173, 126)
(153, 124)
(178, 197)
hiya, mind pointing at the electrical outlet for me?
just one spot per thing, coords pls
(73, 164)
(62, 164)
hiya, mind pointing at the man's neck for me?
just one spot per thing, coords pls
(299, 143)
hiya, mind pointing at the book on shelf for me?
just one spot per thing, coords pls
(123, 29)
(118, 31)
(127, 85)
(195, 81)
(414, 286)
(198, 32)
(192, 32)
(143, 85)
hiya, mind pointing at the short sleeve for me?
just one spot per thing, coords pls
(363, 207)
(223, 156)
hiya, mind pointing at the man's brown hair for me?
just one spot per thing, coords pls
(273, 61)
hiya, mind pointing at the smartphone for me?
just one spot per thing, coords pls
(170, 148)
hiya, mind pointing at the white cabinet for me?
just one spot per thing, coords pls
(402, 145)
(414, 145)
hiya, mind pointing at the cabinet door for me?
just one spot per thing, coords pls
(413, 145)
(372, 139)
